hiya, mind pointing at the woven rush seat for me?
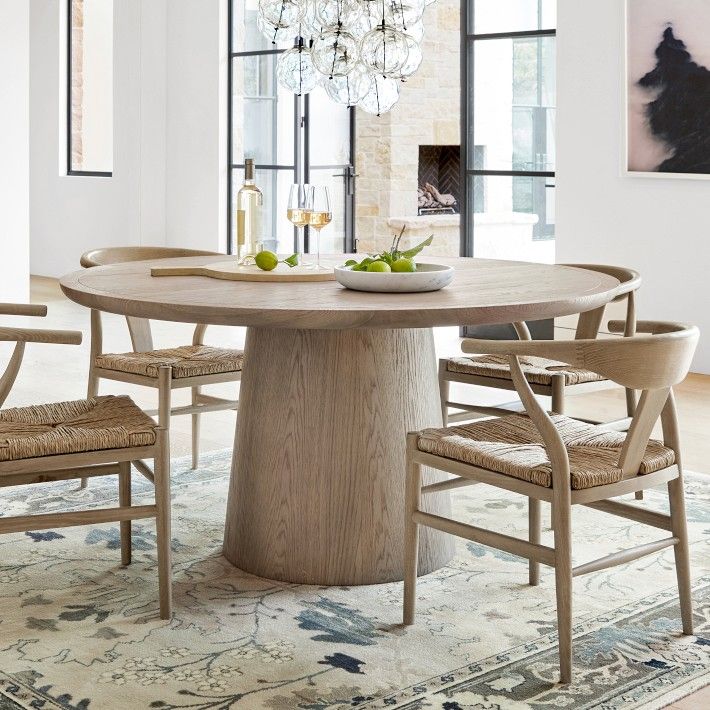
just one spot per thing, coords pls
(74, 427)
(511, 445)
(186, 361)
(537, 370)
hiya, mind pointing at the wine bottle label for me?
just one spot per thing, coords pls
(241, 227)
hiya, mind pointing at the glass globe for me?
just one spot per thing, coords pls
(384, 50)
(407, 12)
(335, 53)
(382, 96)
(295, 71)
(282, 13)
(311, 27)
(397, 14)
(416, 31)
(414, 59)
(334, 14)
(276, 35)
(350, 89)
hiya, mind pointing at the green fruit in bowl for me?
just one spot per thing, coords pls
(266, 260)
(404, 266)
(381, 267)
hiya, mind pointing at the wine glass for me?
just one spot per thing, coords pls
(297, 214)
(319, 213)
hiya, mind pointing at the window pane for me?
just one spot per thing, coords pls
(91, 86)
(514, 217)
(262, 113)
(487, 16)
(513, 103)
(329, 130)
(332, 236)
(276, 230)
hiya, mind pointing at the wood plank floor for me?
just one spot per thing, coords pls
(55, 372)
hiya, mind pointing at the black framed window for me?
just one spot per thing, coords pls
(291, 138)
(508, 127)
(90, 87)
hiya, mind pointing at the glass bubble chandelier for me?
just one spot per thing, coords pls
(359, 51)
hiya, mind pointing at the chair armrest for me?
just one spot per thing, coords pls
(22, 309)
(31, 335)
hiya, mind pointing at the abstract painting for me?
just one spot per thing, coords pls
(668, 74)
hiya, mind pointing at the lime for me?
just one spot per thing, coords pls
(266, 260)
(404, 265)
(379, 267)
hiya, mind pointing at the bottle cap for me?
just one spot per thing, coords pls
(249, 169)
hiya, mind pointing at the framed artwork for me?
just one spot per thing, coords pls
(668, 88)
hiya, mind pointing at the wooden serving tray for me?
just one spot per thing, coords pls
(232, 271)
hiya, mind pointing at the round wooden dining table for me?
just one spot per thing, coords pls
(332, 382)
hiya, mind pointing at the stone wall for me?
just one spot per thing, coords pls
(388, 146)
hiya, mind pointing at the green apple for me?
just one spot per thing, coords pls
(266, 260)
(404, 265)
(381, 267)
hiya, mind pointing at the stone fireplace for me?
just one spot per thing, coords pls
(400, 151)
(439, 179)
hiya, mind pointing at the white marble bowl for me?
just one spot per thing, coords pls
(427, 277)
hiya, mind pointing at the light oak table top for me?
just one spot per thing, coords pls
(484, 291)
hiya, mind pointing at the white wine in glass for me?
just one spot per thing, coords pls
(320, 213)
(297, 214)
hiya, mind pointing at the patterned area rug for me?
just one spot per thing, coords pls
(77, 631)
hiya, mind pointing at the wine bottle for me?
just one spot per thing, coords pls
(249, 206)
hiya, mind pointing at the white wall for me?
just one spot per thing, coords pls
(14, 149)
(196, 124)
(659, 226)
(71, 214)
(169, 158)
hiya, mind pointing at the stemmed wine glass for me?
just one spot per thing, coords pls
(319, 211)
(297, 214)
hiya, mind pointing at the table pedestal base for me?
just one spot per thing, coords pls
(317, 488)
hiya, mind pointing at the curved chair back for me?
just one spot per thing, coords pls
(630, 281)
(653, 363)
(139, 328)
(122, 255)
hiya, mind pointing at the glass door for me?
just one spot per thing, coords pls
(291, 139)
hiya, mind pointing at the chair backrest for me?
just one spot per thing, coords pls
(630, 281)
(139, 328)
(122, 255)
(653, 363)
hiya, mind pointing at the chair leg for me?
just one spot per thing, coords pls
(195, 430)
(558, 394)
(444, 392)
(412, 496)
(124, 500)
(679, 527)
(534, 537)
(563, 586)
(162, 496)
(92, 390)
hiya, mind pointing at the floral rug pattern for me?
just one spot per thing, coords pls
(79, 632)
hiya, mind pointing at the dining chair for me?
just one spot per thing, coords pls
(190, 366)
(98, 436)
(546, 377)
(566, 462)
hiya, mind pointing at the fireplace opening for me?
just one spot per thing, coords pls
(439, 179)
